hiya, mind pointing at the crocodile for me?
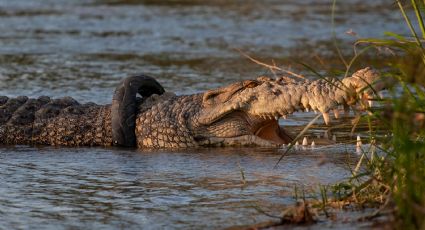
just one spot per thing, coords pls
(143, 114)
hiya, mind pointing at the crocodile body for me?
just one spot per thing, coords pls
(54, 122)
(243, 113)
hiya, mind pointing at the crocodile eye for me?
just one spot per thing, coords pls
(251, 84)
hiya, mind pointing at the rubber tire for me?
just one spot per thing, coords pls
(124, 107)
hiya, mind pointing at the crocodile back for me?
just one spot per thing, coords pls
(48, 121)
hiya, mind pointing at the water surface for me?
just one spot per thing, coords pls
(83, 48)
(46, 187)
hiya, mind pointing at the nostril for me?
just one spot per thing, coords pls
(277, 93)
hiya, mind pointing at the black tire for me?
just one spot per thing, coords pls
(124, 107)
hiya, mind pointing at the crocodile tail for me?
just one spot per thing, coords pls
(124, 107)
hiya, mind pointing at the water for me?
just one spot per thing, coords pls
(83, 48)
(94, 187)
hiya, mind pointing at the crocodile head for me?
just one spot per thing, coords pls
(247, 112)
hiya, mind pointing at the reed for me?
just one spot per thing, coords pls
(390, 173)
(395, 179)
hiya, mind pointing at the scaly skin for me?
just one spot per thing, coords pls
(243, 113)
(48, 121)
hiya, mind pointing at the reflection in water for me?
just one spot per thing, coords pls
(94, 187)
(83, 48)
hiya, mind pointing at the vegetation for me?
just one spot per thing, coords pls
(395, 178)
(390, 174)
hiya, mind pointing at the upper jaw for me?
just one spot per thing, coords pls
(273, 99)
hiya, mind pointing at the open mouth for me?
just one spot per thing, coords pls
(242, 128)
(270, 130)
(239, 126)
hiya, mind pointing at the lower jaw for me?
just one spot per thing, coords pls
(245, 140)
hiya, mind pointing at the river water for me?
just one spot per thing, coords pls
(82, 48)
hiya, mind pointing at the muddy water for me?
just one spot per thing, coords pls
(83, 48)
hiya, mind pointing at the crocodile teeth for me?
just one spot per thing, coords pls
(358, 150)
(326, 118)
(297, 145)
(334, 138)
(359, 142)
(326, 135)
(285, 117)
(370, 103)
(313, 144)
(305, 142)
(307, 110)
(276, 117)
(336, 113)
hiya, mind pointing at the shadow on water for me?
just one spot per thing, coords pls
(83, 48)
